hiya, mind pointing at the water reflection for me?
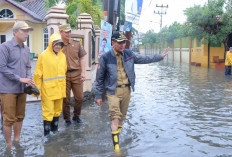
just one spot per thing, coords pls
(176, 110)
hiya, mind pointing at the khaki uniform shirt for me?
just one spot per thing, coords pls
(73, 51)
(121, 73)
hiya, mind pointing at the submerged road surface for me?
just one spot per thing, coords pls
(175, 111)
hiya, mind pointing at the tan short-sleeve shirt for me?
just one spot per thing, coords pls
(122, 76)
(73, 51)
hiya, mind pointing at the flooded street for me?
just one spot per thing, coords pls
(175, 111)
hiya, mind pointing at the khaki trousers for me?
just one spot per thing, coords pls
(13, 108)
(74, 83)
(118, 103)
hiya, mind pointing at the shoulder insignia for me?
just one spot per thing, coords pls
(76, 40)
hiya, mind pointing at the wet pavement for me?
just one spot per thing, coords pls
(175, 111)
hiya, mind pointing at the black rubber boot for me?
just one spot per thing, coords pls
(47, 127)
(54, 124)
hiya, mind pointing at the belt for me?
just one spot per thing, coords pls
(123, 85)
(72, 70)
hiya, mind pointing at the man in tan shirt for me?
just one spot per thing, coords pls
(116, 75)
(75, 55)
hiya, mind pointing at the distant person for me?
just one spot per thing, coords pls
(103, 48)
(75, 76)
(228, 62)
(116, 73)
(50, 77)
(15, 74)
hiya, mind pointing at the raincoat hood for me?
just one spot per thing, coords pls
(53, 37)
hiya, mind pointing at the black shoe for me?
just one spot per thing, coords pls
(67, 123)
(78, 120)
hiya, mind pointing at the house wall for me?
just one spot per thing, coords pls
(36, 36)
(199, 56)
(186, 51)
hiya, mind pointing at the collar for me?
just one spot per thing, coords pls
(14, 43)
(117, 53)
(69, 41)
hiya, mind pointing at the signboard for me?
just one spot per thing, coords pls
(105, 37)
(127, 26)
(133, 10)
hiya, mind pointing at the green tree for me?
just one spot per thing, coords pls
(209, 22)
(150, 38)
(93, 8)
(50, 3)
(205, 23)
(76, 7)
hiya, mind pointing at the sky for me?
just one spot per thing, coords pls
(174, 12)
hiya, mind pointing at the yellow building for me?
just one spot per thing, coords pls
(200, 53)
(30, 11)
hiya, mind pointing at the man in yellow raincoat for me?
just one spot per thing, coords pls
(50, 78)
(228, 62)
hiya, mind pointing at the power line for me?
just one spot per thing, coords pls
(161, 13)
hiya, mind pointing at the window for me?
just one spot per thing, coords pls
(2, 38)
(45, 38)
(6, 14)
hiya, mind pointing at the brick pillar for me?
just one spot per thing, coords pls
(56, 16)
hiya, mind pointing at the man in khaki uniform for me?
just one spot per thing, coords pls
(116, 75)
(75, 55)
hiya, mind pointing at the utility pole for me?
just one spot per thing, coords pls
(161, 13)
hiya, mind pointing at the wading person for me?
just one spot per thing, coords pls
(49, 77)
(116, 74)
(15, 74)
(228, 62)
(75, 76)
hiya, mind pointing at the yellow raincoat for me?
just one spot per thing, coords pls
(50, 78)
(228, 61)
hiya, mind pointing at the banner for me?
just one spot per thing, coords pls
(133, 10)
(127, 26)
(105, 37)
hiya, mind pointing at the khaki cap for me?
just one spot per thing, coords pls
(65, 28)
(22, 25)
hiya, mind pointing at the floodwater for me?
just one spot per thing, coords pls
(175, 111)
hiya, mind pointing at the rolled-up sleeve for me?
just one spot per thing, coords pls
(4, 55)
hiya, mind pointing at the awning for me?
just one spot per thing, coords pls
(5, 26)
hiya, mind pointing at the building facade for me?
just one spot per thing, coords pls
(32, 12)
